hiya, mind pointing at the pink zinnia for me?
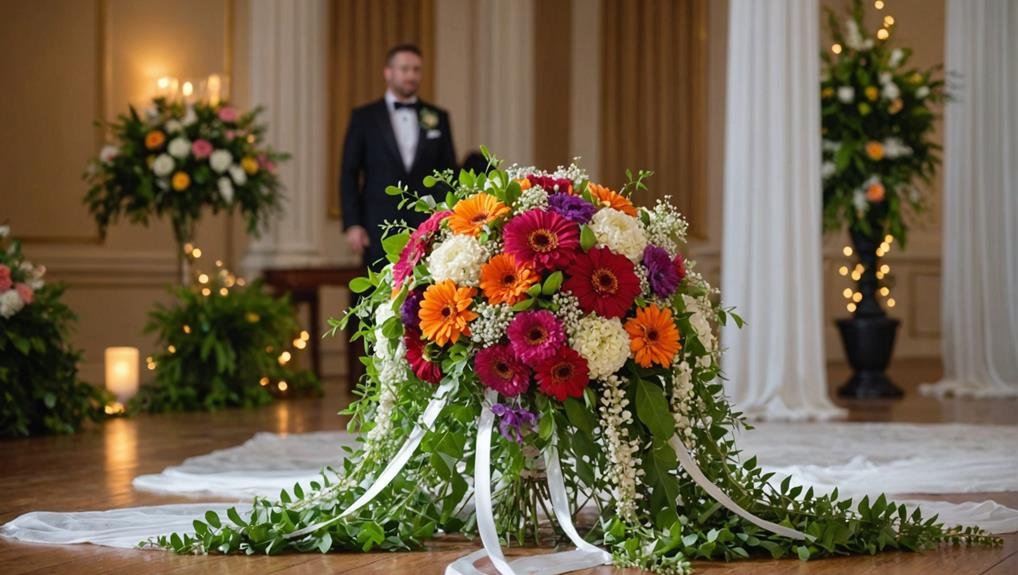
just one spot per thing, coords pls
(228, 114)
(201, 149)
(535, 335)
(498, 368)
(25, 291)
(543, 239)
(415, 247)
(5, 278)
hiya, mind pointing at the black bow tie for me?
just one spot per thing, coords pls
(400, 105)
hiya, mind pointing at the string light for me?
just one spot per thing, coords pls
(188, 248)
(843, 270)
(206, 292)
(883, 34)
(885, 291)
(890, 302)
(857, 297)
(196, 253)
(283, 386)
(856, 276)
(203, 279)
(171, 349)
(219, 263)
(885, 269)
(223, 292)
(263, 381)
(836, 48)
(284, 358)
(888, 20)
(847, 250)
(847, 293)
(305, 335)
(187, 328)
(850, 307)
(879, 4)
(299, 343)
(115, 408)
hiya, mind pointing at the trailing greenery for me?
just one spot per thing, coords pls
(40, 391)
(664, 523)
(224, 344)
(878, 117)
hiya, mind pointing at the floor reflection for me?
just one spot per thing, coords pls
(121, 456)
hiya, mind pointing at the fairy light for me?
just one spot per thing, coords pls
(223, 292)
(203, 279)
(883, 34)
(284, 358)
(305, 335)
(196, 253)
(850, 307)
(283, 386)
(879, 4)
(188, 248)
(890, 302)
(186, 328)
(856, 275)
(115, 408)
(857, 297)
(888, 21)
(847, 293)
(171, 349)
(843, 271)
(836, 48)
(885, 269)
(299, 343)
(241, 282)
(885, 291)
(219, 263)
(847, 250)
(269, 349)
(206, 292)
(889, 239)
(263, 381)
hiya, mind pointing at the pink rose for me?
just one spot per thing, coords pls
(230, 135)
(228, 114)
(201, 149)
(25, 291)
(5, 278)
(265, 163)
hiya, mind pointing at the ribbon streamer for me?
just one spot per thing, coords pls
(396, 464)
(689, 464)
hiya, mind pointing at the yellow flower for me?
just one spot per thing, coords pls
(154, 139)
(872, 93)
(916, 78)
(249, 164)
(181, 181)
(896, 106)
(875, 150)
(252, 317)
(827, 92)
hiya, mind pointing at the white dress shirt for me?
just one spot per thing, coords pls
(406, 127)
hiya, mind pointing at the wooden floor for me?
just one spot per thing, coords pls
(94, 469)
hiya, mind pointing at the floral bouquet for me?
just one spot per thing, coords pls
(177, 159)
(878, 124)
(543, 350)
(38, 367)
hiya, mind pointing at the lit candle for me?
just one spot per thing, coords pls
(122, 372)
(214, 87)
(187, 91)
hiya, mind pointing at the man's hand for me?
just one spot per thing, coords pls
(357, 239)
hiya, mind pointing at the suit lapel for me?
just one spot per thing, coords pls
(385, 127)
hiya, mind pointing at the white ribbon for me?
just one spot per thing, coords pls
(583, 557)
(396, 464)
(689, 464)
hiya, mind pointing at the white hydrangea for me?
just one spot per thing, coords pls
(491, 323)
(163, 165)
(618, 232)
(846, 94)
(10, 303)
(220, 160)
(238, 174)
(179, 147)
(603, 342)
(225, 189)
(664, 225)
(459, 259)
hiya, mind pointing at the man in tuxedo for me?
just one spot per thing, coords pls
(397, 138)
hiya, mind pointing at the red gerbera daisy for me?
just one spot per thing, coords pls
(563, 375)
(544, 239)
(422, 367)
(604, 282)
(551, 184)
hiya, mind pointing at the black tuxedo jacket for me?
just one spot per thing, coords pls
(372, 162)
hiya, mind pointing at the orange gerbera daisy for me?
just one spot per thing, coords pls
(470, 215)
(603, 197)
(445, 312)
(154, 139)
(875, 150)
(503, 281)
(524, 183)
(653, 337)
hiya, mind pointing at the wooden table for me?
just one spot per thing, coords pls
(303, 285)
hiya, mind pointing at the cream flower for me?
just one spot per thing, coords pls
(459, 259)
(846, 94)
(226, 189)
(174, 126)
(108, 152)
(220, 160)
(238, 174)
(10, 303)
(619, 233)
(603, 342)
(163, 165)
(179, 147)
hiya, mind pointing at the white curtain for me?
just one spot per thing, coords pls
(771, 257)
(980, 285)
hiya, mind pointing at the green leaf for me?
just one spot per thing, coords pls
(394, 244)
(232, 514)
(534, 290)
(430, 181)
(395, 190)
(360, 285)
(553, 282)
(325, 543)
(652, 410)
(579, 416)
(213, 519)
(587, 238)
(524, 305)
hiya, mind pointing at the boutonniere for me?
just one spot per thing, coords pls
(428, 118)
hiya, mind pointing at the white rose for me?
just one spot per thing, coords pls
(922, 92)
(189, 116)
(108, 152)
(220, 160)
(827, 169)
(5, 231)
(885, 77)
(891, 91)
(459, 259)
(846, 94)
(179, 147)
(226, 189)
(163, 165)
(896, 56)
(174, 126)
(238, 175)
(859, 201)
(603, 342)
(10, 303)
(619, 232)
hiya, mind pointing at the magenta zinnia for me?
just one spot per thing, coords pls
(535, 335)
(563, 375)
(416, 247)
(544, 239)
(604, 282)
(498, 368)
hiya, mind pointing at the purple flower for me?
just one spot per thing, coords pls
(411, 306)
(661, 271)
(535, 335)
(513, 421)
(498, 368)
(573, 208)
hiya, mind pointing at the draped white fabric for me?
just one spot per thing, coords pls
(858, 459)
(771, 257)
(980, 277)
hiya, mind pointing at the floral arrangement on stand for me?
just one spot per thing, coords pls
(40, 391)
(541, 346)
(176, 159)
(226, 343)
